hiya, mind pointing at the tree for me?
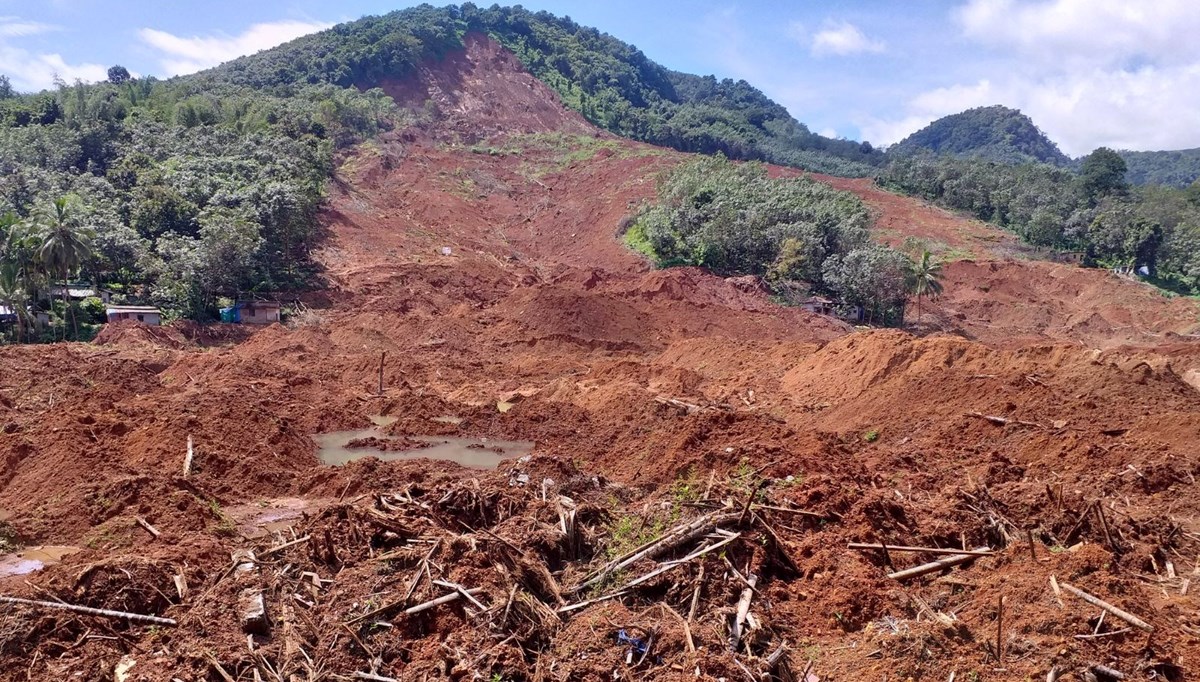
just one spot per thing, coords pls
(64, 247)
(872, 277)
(1102, 174)
(925, 278)
(118, 74)
(6, 88)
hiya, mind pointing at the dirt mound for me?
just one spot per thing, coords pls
(482, 90)
(1019, 301)
(486, 295)
(133, 333)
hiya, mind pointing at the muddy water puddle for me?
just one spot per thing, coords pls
(32, 559)
(474, 453)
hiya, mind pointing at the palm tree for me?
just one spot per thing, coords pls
(925, 279)
(13, 295)
(64, 248)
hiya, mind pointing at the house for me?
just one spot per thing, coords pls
(77, 291)
(259, 312)
(7, 316)
(817, 304)
(142, 313)
(251, 312)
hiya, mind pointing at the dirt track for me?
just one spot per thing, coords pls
(885, 436)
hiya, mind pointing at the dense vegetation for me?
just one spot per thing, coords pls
(174, 193)
(1177, 168)
(612, 83)
(800, 235)
(1095, 212)
(993, 133)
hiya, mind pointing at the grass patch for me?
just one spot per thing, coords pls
(635, 238)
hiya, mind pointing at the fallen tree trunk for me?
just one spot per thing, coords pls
(1096, 601)
(934, 566)
(87, 610)
(928, 550)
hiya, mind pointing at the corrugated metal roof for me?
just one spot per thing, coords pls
(131, 309)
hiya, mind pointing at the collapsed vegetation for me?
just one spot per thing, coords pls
(801, 235)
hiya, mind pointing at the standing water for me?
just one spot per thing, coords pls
(474, 453)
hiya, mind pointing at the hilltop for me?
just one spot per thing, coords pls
(994, 133)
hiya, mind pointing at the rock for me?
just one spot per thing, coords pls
(253, 608)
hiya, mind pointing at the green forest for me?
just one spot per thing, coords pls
(800, 235)
(1095, 211)
(174, 193)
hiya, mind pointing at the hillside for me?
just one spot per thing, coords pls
(1175, 168)
(613, 84)
(994, 133)
(478, 300)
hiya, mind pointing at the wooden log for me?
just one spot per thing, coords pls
(1057, 592)
(1110, 672)
(372, 677)
(743, 609)
(1098, 602)
(86, 610)
(461, 590)
(934, 566)
(1000, 630)
(675, 564)
(863, 546)
(696, 594)
(149, 528)
(382, 357)
(1098, 635)
(286, 545)
(588, 602)
(187, 459)
(424, 606)
(675, 537)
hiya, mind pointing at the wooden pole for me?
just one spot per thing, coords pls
(149, 528)
(934, 566)
(1096, 601)
(864, 546)
(103, 613)
(382, 357)
(887, 556)
(187, 460)
(1000, 630)
(743, 609)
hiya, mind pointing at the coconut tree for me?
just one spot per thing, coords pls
(14, 296)
(64, 247)
(925, 279)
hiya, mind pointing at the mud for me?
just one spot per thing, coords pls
(1034, 395)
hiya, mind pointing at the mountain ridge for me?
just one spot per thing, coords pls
(611, 83)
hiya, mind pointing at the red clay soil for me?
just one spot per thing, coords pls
(651, 396)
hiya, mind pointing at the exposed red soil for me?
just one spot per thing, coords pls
(635, 384)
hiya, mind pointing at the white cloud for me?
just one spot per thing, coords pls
(180, 55)
(1088, 72)
(828, 132)
(31, 70)
(1099, 31)
(842, 38)
(16, 27)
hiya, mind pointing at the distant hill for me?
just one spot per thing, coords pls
(1178, 168)
(994, 133)
(612, 83)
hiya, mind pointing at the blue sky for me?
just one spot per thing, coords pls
(1090, 72)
